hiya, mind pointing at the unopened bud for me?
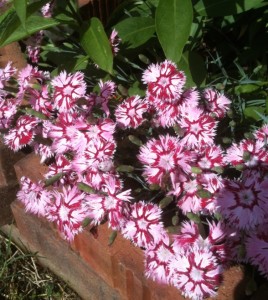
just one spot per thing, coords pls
(154, 187)
(165, 202)
(246, 156)
(175, 220)
(218, 170)
(232, 123)
(135, 140)
(196, 170)
(226, 140)
(239, 167)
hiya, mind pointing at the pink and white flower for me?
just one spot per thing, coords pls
(215, 103)
(164, 159)
(6, 73)
(22, 134)
(129, 114)
(157, 258)
(197, 273)
(144, 226)
(257, 250)
(40, 101)
(199, 128)
(8, 109)
(68, 88)
(251, 153)
(244, 203)
(113, 204)
(164, 82)
(114, 41)
(67, 211)
(34, 196)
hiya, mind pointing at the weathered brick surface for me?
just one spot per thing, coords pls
(8, 182)
(12, 52)
(121, 265)
(41, 237)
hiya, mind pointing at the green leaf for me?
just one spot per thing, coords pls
(135, 31)
(193, 217)
(96, 44)
(33, 24)
(215, 8)
(85, 188)
(21, 9)
(173, 22)
(35, 113)
(112, 237)
(10, 24)
(194, 68)
(252, 112)
(53, 179)
(125, 169)
(246, 88)
(165, 202)
(135, 140)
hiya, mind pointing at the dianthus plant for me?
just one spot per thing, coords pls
(134, 161)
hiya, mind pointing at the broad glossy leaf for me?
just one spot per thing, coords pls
(173, 22)
(96, 44)
(136, 31)
(194, 68)
(10, 24)
(33, 24)
(253, 112)
(21, 9)
(214, 8)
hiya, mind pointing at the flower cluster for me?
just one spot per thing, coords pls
(85, 137)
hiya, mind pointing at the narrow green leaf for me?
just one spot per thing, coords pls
(135, 31)
(216, 8)
(173, 22)
(96, 44)
(35, 113)
(85, 188)
(112, 237)
(86, 222)
(193, 217)
(21, 9)
(53, 179)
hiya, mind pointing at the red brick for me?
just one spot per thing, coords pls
(56, 253)
(7, 160)
(8, 182)
(30, 166)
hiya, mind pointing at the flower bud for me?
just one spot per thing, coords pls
(135, 140)
(165, 202)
